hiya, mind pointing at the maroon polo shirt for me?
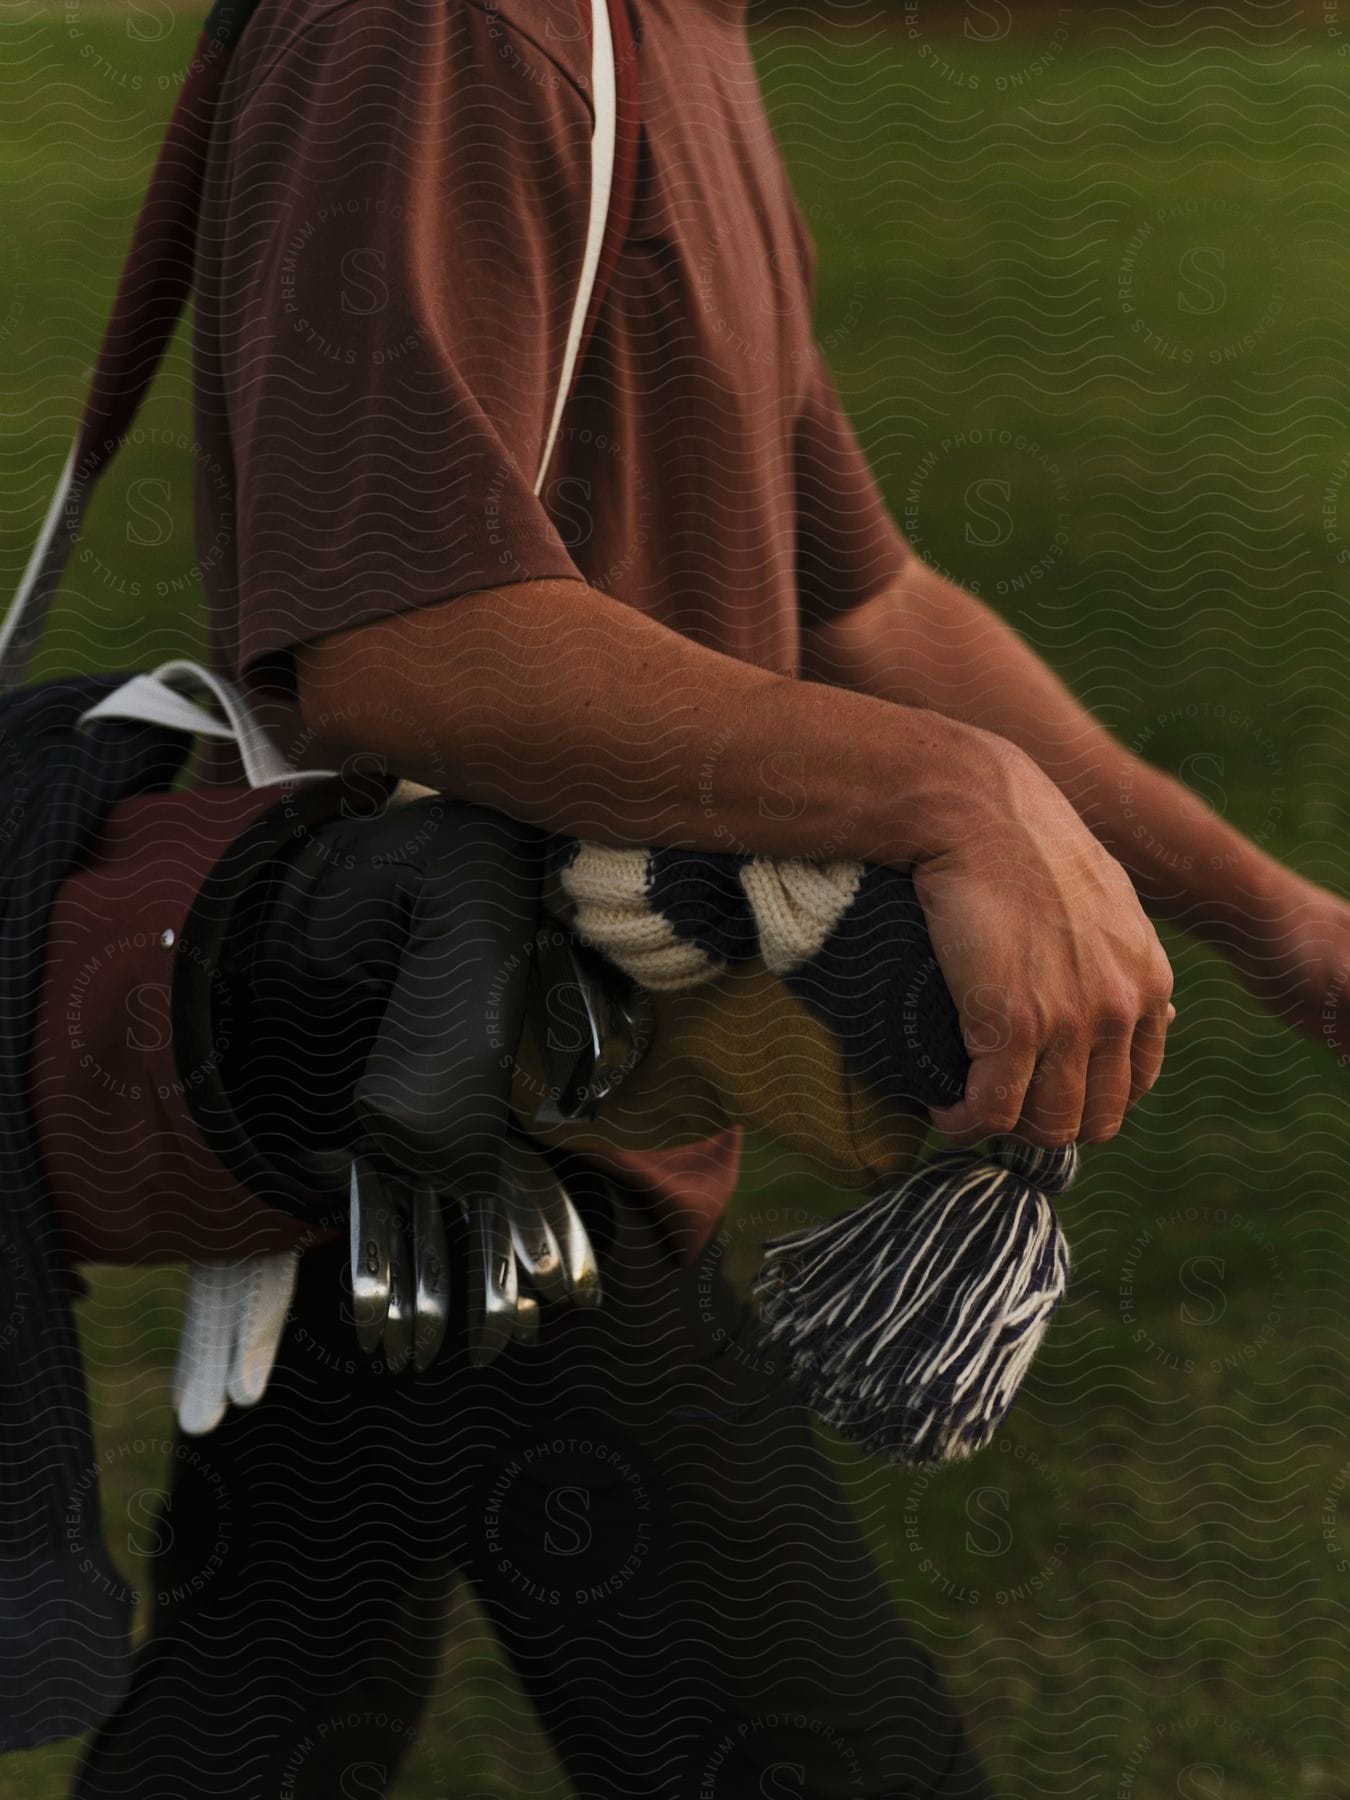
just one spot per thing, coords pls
(392, 228)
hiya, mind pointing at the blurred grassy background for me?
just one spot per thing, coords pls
(1082, 276)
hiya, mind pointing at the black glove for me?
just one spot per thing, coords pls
(378, 976)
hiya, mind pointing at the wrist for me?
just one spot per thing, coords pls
(963, 775)
(1231, 908)
(1189, 866)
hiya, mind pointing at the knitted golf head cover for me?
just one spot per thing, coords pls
(909, 1322)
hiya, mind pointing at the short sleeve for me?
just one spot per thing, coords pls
(388, 282)
(848, 544)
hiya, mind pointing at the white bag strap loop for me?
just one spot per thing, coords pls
(153, 699)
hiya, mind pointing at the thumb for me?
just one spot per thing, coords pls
(433, 1098)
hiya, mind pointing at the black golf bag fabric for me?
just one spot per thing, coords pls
(64, 1613)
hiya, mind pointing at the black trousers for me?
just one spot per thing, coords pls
(643, 1513)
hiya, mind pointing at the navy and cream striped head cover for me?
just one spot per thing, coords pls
(911, 1321)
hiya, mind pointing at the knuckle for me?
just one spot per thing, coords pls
(1075, 1020)
(1023, 1028)
(1118, 1006)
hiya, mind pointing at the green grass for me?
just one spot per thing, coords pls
(1129, 252)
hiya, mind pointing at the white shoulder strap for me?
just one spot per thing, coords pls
(33, 597)
(604, 91)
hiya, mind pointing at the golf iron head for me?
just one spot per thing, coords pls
(400, 1265)
(527, 1243)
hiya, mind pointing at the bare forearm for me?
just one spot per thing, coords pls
(929, 643)
(561, 706)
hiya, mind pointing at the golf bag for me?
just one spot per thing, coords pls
(111, 890)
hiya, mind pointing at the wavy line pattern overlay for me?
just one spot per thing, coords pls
(1081, 286)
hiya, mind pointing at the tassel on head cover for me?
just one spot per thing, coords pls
(911, 1321)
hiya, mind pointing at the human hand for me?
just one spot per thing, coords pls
(1060, 982)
